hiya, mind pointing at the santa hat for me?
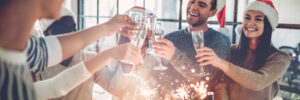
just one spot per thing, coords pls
(266, 7)
(221, 17)
(45, 23)
(220, 5)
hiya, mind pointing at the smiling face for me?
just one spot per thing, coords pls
(253, 25)
(198, 11)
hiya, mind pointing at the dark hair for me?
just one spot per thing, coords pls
(213, 4)
(263, 51)
(65, 24)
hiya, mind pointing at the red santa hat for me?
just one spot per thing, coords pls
(221, 16)
(221, 12)
(220, 5)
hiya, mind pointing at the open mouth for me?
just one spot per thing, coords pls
(251, 29)
(193, 14)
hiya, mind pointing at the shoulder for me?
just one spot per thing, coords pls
(280, 55)
(218, 35)
(175, 34)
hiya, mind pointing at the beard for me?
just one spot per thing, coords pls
(198, 23)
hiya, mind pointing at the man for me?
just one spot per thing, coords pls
(128, 87)
(15, 42)
(178, 49)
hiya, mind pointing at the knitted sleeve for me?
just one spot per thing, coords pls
(271, 71)
(62, 83)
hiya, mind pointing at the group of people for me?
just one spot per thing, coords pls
(250, 70)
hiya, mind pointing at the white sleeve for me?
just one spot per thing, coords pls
(62, 83)
(54, 50)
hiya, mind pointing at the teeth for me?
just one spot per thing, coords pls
(193, 14)
(251, 29)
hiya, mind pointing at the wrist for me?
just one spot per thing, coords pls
(225, 66)
(108, 55)
(106, 28)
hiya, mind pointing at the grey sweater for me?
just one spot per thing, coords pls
(245, 84)
(184, 58)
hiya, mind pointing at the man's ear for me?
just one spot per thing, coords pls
(212, 12)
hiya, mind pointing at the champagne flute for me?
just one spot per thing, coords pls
(159, 33)
(198, 42)
(152, 24)
(137, 39)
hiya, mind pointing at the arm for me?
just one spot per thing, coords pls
(62, 83)
(113, 80)
(81, 39)
(271, 71)
(166, 49)
(74, 76)
(51, 50)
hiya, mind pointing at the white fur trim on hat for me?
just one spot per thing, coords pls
(268, 11)
(220, 5)
(45, 23)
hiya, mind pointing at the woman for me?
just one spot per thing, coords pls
(256, 66)
(16, 66)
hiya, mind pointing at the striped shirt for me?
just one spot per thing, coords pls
(37, 54)
(15, 78)
(43, 52)
(16, 67)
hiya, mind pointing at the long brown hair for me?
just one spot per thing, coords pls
(263, 51)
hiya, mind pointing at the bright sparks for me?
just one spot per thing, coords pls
(192, 91)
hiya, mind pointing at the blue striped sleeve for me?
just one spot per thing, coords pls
(37, 54)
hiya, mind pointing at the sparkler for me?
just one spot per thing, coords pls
(192, 91)
(184, 92)
(144, 89)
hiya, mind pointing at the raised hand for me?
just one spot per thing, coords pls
(164, 48)
(126, 52)
(207, 56)
(120, 22)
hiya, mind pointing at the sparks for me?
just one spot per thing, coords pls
(144, 89)
(192, 91)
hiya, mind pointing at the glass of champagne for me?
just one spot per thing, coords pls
(152, 24)
(137, 39)
(198, 42)
(159, 33)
